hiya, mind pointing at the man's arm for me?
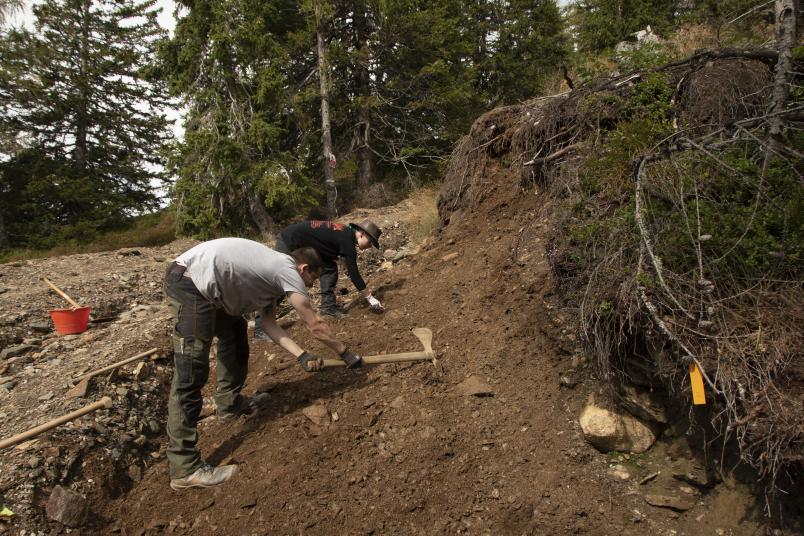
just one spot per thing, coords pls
(277, 334)
(314, 323)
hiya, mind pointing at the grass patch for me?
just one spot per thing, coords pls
(149, 230)
(423, 213)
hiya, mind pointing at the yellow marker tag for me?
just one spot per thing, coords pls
(696, 381)
(5, 512)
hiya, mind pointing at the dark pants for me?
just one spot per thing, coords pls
(197, 321)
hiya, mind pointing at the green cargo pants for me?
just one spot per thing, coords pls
(196, 322)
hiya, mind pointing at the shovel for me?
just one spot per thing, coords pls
(104, 402)
(61, 293)
(80, 388)
(425, 335)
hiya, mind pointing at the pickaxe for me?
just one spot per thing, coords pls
(425, 335)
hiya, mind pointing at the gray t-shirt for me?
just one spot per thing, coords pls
(239, 275)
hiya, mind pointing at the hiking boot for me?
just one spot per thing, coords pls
(244, 405)
(332, 311)
(205, 476)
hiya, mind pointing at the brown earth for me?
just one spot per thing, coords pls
(404, 449)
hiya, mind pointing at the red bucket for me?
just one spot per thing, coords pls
(68, 321)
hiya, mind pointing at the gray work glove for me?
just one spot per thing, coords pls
(310, 362)
(351, 359)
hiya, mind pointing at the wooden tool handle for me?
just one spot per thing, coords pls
(104, 402)
(384, 358)
(116, 365)
(61, 293)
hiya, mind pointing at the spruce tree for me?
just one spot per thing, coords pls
(79, 92)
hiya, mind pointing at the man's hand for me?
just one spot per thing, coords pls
(374, 304)
(310, 362)
(351, 359)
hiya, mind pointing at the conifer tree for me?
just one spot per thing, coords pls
(80, 93)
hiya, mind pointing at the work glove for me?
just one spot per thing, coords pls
(351, 359)
(374, 304)
(310, 362)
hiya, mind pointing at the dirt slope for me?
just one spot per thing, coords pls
(405, 450)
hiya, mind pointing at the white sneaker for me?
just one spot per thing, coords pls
(205, 476)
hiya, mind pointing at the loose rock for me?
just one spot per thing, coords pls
(679, 504)
(607, 431)
(317, 414)
(13, 351)
(67, 507)
(474, 386)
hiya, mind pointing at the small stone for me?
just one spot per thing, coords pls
(40, 326)
(45, 397)
(317, 414)
(67, 507)
(13, 351)
(620, 472)
(451, 256)
(474, 386)
(135, 473)
(8, 386)
(154, 426)
(397, 402)
(680, 504)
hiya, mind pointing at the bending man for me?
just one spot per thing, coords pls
(210, 287)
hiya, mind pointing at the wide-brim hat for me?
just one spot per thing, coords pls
(371, 230)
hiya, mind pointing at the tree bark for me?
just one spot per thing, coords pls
(260, 215)
(81, 120)
(326, 136)
(786, 39)
(362, 130)
(4, 241)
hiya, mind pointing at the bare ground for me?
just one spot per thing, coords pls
(404, 450)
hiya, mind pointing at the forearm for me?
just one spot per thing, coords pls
(280, 336)
(321, 331)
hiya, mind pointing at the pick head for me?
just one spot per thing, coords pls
(425, 335)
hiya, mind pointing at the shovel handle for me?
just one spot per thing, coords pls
(119, 364)
(104, 402)
(384, 358)
(61, 293)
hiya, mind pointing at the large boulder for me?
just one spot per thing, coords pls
(607, 430)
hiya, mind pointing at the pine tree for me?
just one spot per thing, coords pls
(80, 92)
(238, 65)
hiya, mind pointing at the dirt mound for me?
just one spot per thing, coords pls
(643, 298)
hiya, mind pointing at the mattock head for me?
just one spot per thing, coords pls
(425, 335)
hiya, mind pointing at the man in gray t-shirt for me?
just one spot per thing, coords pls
(210, 287)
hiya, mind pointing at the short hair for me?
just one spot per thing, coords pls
(308, 256)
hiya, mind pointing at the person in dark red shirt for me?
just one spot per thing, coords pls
(332, 240)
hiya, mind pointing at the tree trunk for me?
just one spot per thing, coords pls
(81, 119)
(326, 136)
(786, 36)
(362, 130)
(260, 215)
(4, 241)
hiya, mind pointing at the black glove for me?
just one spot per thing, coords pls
(310, 362)
(351, 359)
